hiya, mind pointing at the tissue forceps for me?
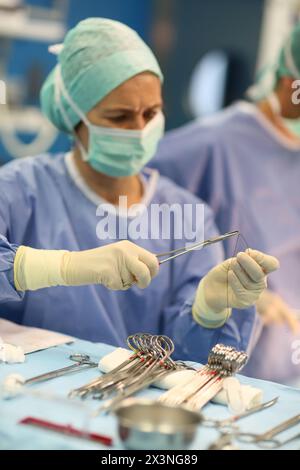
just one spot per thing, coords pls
(80, 360)
(182, 251)
(228, 424)
(266, 440)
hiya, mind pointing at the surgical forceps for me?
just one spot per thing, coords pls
(228, 425)
(182, 251)
(266, 440)
(82, 361)
(150, 362)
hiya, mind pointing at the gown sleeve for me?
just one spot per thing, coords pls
(8, 292)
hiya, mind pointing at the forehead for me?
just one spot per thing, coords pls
(141, 90)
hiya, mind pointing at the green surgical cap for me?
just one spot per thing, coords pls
(97, 56)
(289, 58)
(288, 64)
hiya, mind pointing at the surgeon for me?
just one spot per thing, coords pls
(105, 92)
(245, 162)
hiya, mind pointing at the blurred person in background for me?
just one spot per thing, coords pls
(245, 163)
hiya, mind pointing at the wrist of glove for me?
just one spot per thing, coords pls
(236, 283)
(203, 314)
(116, 266)
(37, 269)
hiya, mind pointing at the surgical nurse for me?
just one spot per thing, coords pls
(106, 92)
(245, 162)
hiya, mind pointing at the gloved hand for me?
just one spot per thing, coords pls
(117, 266)
(235, 283)
(273, 310)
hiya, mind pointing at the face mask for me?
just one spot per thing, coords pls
(114, 152)
(292, 125)
(120, 152)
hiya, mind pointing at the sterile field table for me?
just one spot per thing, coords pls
(53, 406)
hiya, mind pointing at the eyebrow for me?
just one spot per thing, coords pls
(129, 108)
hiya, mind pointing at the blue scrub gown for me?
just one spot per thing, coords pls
(45, 204)
(250, 176)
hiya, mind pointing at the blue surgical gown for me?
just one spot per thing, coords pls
(238, 163)
(44, 204)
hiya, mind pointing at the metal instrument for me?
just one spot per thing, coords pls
(224, 442)
(228, 424)
(150, 362)
(266, 439)
(82, 361)
(182, 251)
(148, 425)
(287, 441)
(223, 361)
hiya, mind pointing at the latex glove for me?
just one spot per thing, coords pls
(235, 283)
(274, 310)
(116, 266)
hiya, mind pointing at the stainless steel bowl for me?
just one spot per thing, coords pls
(148, 425)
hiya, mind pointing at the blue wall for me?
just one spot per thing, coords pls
(229, 25)
(27, 54)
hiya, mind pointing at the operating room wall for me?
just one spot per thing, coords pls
(30, 61)
(196, 27)
(180, 31)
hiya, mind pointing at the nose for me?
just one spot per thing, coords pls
(138, 122)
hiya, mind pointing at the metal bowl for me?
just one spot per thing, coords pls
(148, 425)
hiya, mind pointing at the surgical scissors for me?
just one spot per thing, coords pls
(228, 424)
(80, 360)
(182, 251)
(266, 440)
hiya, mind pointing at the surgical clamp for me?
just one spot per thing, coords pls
(182, 251)
(288, 441)
(151, 361)
(82, 361)
(228, 424)
(266, 439)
